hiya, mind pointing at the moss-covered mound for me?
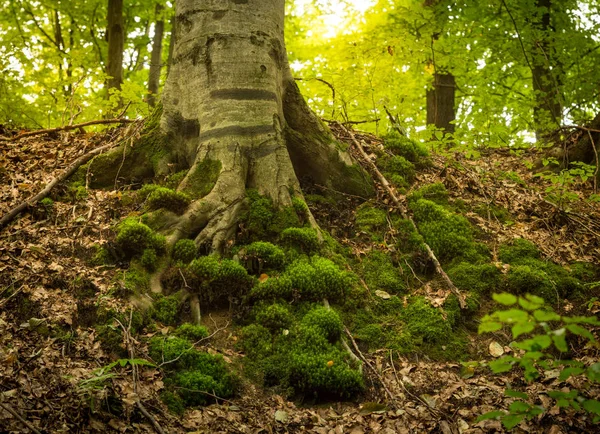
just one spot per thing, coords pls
(192, 377)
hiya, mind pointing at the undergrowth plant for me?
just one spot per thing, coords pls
(544, 348)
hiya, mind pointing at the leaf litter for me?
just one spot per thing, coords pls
(50, 362)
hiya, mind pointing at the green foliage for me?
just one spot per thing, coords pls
(273, 288)
(481, 279)
(304, 238)
(326, 320)
(166, 309)
(274, 317)
(543, 349)
(184, 251)
(300, 208)
(379, 272)
(134, 237)
(264, 221)
(191, 332)
(165, 198)
(268, 255)
(102, 256)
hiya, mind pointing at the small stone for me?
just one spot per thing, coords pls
(281, 416)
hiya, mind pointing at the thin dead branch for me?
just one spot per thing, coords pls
(68, 128)
(404, 214)
(20, 418)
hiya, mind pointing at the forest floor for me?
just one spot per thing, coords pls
(49, 291)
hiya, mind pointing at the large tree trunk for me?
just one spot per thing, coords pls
(116, 41)
(440, 102)
(156, 58)
(231, 103)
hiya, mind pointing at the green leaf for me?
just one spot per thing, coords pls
(490, 415)
(592, 406)
(528, 305)
(567, 372)
(522, 328)
(512, 420)
(515, 394)
(593, 373)
(489, 326)
(519, 407)
(580, 331)
(503, 364)
(546, 315)
(535, 299)
(505, 298)
(560, 342)
(512, 315)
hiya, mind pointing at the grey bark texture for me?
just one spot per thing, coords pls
(230, 97)
(116, 41)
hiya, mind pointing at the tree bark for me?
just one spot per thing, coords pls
(440, 102)
(116, 41)
(156, 58)
(547, 110)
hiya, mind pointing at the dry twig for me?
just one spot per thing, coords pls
(67, 128)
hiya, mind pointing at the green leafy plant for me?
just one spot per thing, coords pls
(545, 343)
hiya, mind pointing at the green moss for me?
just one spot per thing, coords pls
(136, 279)
(379, 273)
(493, 211)
(317, 199)
(217, 279)
(399, 166)
(192, 376)
(166, 309)
(585, 271)
(266, 254)
(173, 402)
(263, 221)
(274, 317)
(517, 251)
(481, 279)
(434, 192)
(203, 178)
(317, 278)
(147, 189)
(409, 149)
(256, 341)
(304, 238)
(372, 221)
(111, 339)
(327, 321)
(184, 251)
(426, 322)
(165, 198)
(149, 259)
(274, 288)
(300, 208)
(191, 332)
(523, 279)
(134, 237)
(448, 234)
(353, 181)
(173, 181)
(102, 256)
(77, 191)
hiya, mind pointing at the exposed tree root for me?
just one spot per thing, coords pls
(404, 214)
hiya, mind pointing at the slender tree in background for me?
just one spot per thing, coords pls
(547, 109)
(441, 96)
(156, 58)
(115, 33)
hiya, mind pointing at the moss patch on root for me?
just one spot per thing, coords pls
(203, 178)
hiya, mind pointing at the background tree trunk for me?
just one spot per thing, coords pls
(116, 39)
(156, 58)
(547, 110)
(440, 102)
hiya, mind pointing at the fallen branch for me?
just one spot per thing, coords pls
(9, 216)
(20, 418)
(404, 214)
(67, 128)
